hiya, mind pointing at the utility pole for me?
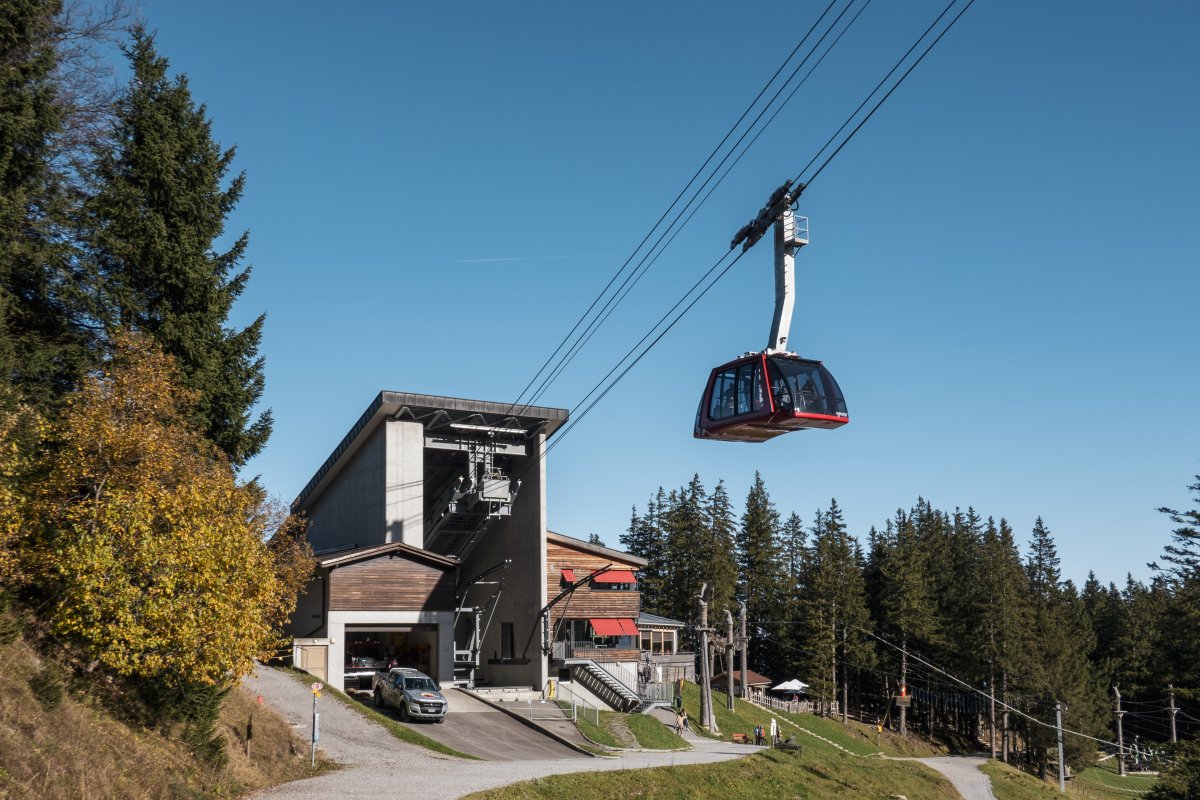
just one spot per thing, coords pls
(729, 660)
(1173, 710)
(743, 644)
(845, 682)
(903, 683)
(1120, 732)
(992, 708)
(1062, 777)
(1004, 732)
(706, 710)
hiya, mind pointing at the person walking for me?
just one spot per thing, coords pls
(686, 727)
(679, 722)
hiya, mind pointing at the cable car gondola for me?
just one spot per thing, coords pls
(763, 395)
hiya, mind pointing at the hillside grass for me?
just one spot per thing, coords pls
(67, 736)
(860, 739)
(815, 775)
(652, 734)
(1093, 783)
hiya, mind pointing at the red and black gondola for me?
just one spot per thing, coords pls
(763, 395)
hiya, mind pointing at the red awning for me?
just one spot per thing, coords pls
(615, 576)
(569, 575)
(614, 627)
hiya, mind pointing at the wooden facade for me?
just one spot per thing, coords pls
(590, 601)
(394, 581)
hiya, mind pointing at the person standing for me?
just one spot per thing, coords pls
(686, 727)
(679, 722)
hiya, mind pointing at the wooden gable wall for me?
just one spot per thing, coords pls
(394, 583)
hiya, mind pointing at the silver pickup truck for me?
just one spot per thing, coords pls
(414, 694)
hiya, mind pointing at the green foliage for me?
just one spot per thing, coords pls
(158, 209)
(762, 577)
(42, 335)
(150, 554)
(1180, 781)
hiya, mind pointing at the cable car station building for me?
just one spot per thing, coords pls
(428, 524)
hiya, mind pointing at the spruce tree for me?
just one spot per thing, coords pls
(762, 576)
(718, 557)
(158, 212)
(1180, 576)
(43, 341)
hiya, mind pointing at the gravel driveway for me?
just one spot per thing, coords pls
(378, 766)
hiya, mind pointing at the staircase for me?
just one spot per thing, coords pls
(604, 685)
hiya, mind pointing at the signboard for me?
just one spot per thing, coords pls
(903, 701)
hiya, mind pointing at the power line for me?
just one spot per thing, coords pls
(895, 86)
(674, 202)
(638, 274)
(576, 418)
(1000, 703)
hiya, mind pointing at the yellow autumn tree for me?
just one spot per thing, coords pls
(151, 551)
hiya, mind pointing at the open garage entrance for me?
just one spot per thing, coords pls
(376, 647)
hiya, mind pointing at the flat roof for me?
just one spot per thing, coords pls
(434, 412)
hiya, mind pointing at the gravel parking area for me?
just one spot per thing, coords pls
(378, 766)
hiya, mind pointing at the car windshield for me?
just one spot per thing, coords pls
(420, 684)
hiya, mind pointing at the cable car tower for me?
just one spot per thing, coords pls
(761, 395)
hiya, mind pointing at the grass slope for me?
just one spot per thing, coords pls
(60, 739)
(816, 775)
(1009, 783)
(837, 762)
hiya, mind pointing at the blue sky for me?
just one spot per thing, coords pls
(1002, 275)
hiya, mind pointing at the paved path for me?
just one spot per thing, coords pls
(378, 766)
(965, 773)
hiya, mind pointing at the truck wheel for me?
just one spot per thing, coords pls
(404, 712)
(378, 699)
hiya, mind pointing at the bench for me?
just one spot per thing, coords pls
(741, 738)
(790, 744)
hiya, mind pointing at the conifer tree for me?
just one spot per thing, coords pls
(718, 557)
(644, 538)
(832, 607)
(154, 223)
(762, 576)
(42, 336)
(1180, 575)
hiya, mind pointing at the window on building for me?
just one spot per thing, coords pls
(662, 642)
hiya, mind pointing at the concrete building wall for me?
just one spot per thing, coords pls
(522, 538)
(351, 511)
(404, 497)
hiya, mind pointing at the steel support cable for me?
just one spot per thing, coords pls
(575, 420)
(673, 229)
(1000, 703)
(665, 213)
(570, 425)
(832, 155)
(895, 86)
(637, 276)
